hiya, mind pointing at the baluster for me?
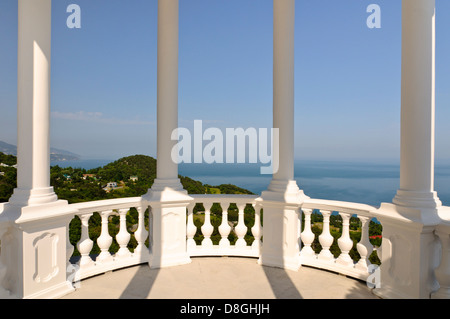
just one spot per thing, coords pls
(69, 247)
(442, 272)
(240, 228)
(85, 244)
(325, 239)
(364, 246)
(345, 243)
(151, 231)
(224, 228)
(191, 229)
(207, 228)
(307, 236)
(141, 233)
(257, 229)
(104, 241)
(123, 237)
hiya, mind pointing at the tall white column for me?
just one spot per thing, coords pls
(33, 104)
(167, 199)
(283, 197)
(167, 100)
(283, 85)
(409, 244)
(418, 106)
(37, 237)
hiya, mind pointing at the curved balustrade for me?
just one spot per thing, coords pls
(229, 225)
(224, 246)
(325, 259)
(89, 265)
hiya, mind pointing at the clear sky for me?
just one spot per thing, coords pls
(347, 98)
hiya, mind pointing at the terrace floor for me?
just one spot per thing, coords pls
(220, 278)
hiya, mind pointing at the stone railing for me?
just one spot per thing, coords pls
(88, 265)
(216, 225)
(227, 226)
(325, 259)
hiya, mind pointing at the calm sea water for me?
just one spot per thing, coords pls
(367, 183)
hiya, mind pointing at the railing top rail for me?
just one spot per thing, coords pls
(106, 204)
(340, 206)
(225, 198)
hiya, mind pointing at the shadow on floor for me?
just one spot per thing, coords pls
(281, 284)
(135, 289)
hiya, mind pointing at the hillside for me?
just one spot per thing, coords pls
(132, 175)
(55, 154)
(127, 177)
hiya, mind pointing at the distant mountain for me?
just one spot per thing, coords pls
(55, 154)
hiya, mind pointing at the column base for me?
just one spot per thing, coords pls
(168, 203)
(32, 197)
(417, 199)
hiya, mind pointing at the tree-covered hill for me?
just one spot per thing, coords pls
(132, 175)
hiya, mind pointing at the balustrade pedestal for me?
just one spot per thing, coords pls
(281, 233)
(409, 251)
(168, 203)
(34, 250)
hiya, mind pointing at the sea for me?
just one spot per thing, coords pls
(360, 182)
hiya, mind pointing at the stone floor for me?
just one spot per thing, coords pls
(220, 278)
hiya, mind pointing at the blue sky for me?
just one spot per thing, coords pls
(347, 76)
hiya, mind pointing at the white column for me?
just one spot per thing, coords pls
(37, 238)
(283, 197)
(167, 198)
(418, 106)
(167, 91)
(409, 246)
(283, 84)
(33, 104)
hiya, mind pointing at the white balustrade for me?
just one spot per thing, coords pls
(106, 261)
(89, 265)
(224, 247)
(325, 259)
